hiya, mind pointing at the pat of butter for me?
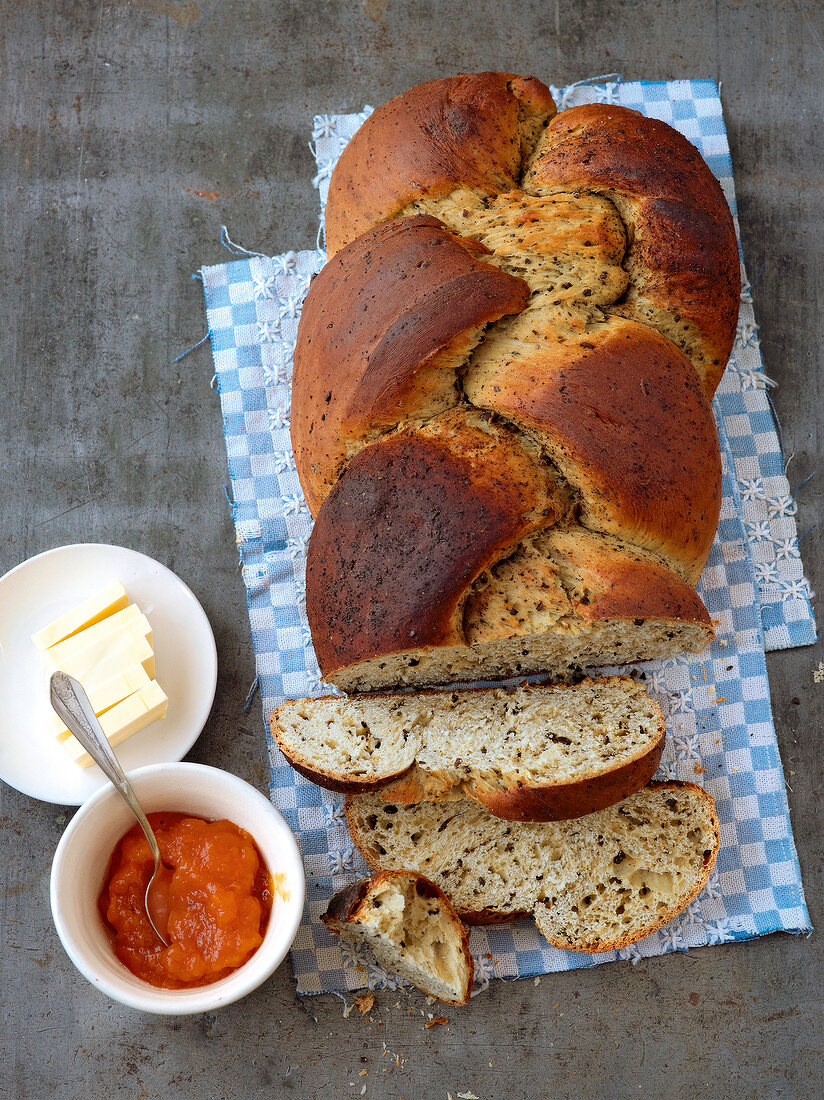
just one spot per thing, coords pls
(101, 605)
(128, 650)
(104, 694)
(98, 634)
(127, 717)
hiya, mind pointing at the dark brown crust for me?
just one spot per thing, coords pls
(373, 319)
(414, 519)
(458, 130)
(347, 906)
(553, 801)
(624, 415)
(685, 254)
(490, 916)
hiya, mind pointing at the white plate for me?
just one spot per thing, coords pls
(39, 591)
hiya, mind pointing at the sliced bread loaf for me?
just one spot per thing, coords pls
(533, 753)
(594, 884)
(411, 928)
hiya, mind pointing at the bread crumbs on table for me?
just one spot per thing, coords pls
(436, 1022)
(365, 1002)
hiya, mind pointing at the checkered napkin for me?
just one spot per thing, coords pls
(719, 723)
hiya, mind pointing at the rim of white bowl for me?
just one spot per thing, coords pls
(132, 991)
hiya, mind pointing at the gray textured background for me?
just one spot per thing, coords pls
(117, 121)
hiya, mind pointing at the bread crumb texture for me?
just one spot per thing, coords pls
(593, 884)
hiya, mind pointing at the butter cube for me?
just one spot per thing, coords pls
(99, 634)
(126, 718)
(126, 651)
(104, 694)
(101, 605)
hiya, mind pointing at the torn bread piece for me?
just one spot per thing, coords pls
(532, 753)
(412, 930)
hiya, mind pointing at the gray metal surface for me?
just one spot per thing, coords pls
(130, 133)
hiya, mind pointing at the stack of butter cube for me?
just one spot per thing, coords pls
(106, 644)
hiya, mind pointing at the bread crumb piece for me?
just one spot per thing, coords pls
(434, 1023)
(468, 1096)
(537, 981)
(364, 1002)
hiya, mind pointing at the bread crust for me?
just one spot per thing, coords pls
(414, 519)
(489, 916)
(420, 143)
(349, 904)
(595, 380)
(564, 801)
(684, 257)
(612, 580)
(553, 800)
(374, 320)
(623, 415)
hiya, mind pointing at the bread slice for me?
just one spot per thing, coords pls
(533, 753)
(412, 929)
(594, 884)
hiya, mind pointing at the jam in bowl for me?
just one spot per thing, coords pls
(235, 899)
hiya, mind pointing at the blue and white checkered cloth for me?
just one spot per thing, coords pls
(719, 724)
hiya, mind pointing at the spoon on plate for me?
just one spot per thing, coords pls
(72, 704)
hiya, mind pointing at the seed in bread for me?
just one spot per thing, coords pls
(593, 884)
(411, 928)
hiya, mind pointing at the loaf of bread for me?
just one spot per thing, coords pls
(500, 414)
(596, 883)
(534, 753)
(411, 928)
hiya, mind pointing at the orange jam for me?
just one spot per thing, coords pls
(220, 899)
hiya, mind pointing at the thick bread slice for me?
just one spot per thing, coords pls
(594, 884)
(533, 753)
(412, 929)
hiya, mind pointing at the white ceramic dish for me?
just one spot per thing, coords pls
(82, 858)
(44, 587)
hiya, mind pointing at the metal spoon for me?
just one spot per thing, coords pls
(72, 704)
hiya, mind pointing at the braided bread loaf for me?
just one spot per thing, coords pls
(500, 414)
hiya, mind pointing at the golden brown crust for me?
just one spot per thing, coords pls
(347, 906)
(684, 255)
(461, 128)
(614, 581)
(622, 413)
(374, 320)
(384, 343)
(412, 522)
(562, 801)
(666, 915)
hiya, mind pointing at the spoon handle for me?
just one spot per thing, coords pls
(72, 704)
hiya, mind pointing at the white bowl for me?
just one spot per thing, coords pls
(82, 858)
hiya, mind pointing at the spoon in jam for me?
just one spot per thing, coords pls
(72, 704)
